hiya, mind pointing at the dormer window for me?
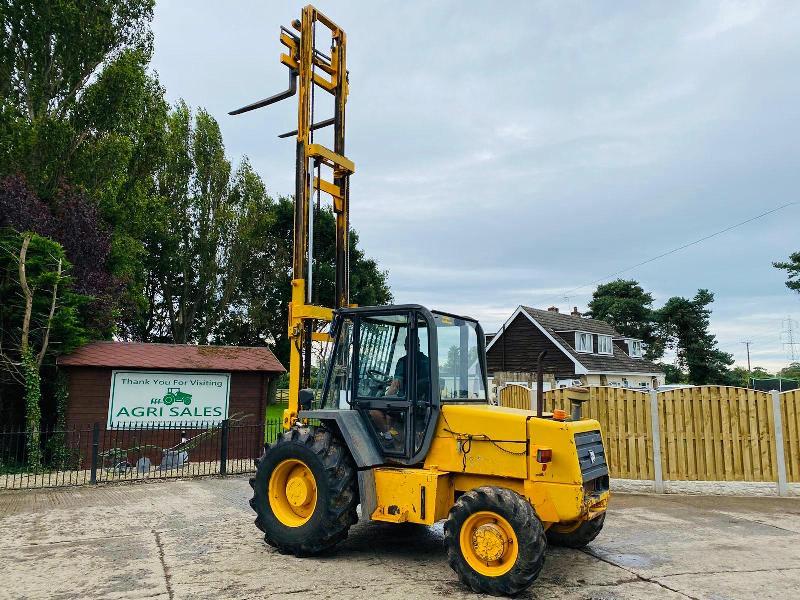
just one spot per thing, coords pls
(635, 348)
(604, 344)
(584, 342)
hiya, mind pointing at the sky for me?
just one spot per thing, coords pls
(512, 153)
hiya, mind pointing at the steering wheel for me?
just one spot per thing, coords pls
(378, 378)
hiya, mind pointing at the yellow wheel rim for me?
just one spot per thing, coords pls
(489, 544)
(292, 492)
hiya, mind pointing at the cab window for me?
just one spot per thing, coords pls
(381, 362)
(338, 391)
(460, 370)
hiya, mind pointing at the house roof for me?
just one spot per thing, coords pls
(557, 321)
(135, 355)
(553, 323)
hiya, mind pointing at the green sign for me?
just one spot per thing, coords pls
(167, 397)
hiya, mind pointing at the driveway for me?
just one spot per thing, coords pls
(196, 539)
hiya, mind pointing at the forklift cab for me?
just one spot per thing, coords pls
(395, 366)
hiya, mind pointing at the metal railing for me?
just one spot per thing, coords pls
(90, 454)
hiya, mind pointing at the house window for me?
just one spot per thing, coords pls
(584, 342)
(635, 347)
(604, 344)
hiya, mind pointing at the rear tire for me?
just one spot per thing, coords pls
(495, 542)
(577, 537)
(330, 477)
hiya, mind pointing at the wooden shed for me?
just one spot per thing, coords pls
(91, 370)
(155, 396)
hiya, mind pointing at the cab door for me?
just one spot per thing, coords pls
(383, 368)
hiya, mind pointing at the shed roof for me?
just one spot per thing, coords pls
(137, 355)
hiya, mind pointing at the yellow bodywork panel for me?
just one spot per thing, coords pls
(411, 495)
(481, 445)
(556, 488)
(480, 439)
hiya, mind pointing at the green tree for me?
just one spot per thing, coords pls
(673, 373)
(790, 372)
(197, 237)
(38, 318)
(260, 314)
(77, 105)
(792, 268)
(684, 323)
(740, 376)
(59, 82)
(629, 309)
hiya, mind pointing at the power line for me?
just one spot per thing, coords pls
(678, 249)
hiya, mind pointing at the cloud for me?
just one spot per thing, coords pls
(508, 155)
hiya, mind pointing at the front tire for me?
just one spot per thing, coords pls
(495, 542)
(305, 492)
(576, 536)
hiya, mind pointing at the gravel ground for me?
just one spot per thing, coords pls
(195, 539)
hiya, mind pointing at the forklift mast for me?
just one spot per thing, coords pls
(328, 72)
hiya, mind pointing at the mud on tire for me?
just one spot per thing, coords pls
(519, 513)
(578, 537)
(337, 491)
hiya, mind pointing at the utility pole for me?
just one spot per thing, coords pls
(747, 344)
(749, 370)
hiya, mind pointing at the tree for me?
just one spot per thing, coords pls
(75, 223)
(790, 372)
(740, 376)
(629, 309)
(55, 63)
(684, 323)
(673, 374)
(197, 238)
(260, 315)
(78, 107)
(38, 318)
(792, 268)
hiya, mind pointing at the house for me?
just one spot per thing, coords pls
(579, 351)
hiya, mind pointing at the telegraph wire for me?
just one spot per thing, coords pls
(674, 250)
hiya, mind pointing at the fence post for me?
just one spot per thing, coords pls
(780, 456)
(223, 449)
(95, 451)
(656, 442)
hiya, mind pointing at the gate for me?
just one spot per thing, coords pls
(514, 395)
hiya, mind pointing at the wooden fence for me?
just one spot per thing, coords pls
(790, 417)
(515, 396)
(709, 433)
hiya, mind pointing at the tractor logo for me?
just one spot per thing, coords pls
(592, 456)
(176, 395)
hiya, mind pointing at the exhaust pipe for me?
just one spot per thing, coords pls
(540, 383)
(577, 396)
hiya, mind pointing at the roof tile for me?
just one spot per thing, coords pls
(136, 355)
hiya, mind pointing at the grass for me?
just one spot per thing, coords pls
(275, 411)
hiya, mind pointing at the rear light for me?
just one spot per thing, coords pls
(559, 415)
(544, 455)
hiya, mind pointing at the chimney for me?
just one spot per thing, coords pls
(552, 309)
(575, 312)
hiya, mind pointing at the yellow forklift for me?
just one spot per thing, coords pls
(402, 425)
